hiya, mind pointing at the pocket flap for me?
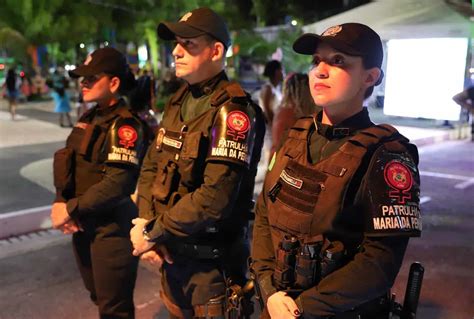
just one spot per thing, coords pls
(191, 145)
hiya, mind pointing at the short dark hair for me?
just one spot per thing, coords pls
(271, 67)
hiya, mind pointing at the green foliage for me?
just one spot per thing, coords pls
(13, 42)
(292, 61)
(252, 44)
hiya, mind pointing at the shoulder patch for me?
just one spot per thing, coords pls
(393, 193)
(125, 142)
(233, 134)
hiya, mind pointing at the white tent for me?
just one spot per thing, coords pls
(414, 85)
(399, 19)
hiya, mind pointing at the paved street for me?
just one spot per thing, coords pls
(39, 278)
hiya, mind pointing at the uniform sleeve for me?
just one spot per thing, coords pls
(118, 182)
(211, 202)
(145, 183)
(263, 255)
(369, 275)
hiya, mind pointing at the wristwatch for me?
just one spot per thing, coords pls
(147, 229)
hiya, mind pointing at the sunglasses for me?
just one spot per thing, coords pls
(91, 79)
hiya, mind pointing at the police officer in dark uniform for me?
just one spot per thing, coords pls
(341, 195)
(196, 184)
(94, 176)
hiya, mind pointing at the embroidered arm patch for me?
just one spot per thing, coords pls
(125, 142)
(233, 134)
(394, 195)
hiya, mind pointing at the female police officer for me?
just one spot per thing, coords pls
(341, 196)
(94, 176)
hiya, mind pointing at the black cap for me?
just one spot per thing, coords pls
(350, 38)
(106, 60)
(195, 23)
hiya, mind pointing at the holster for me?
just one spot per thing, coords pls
(63, 171)
(308, 265)
(238, 303)
(215, 307)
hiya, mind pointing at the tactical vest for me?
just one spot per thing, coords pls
(304, 199)
(80, 164)
(184, 147)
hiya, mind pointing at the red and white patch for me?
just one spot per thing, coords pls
(127, 135)
(398, 176)
(290, 180)
(238, 121)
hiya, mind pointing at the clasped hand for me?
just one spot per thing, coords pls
(148, 251)
(61, 220)
(282, 306)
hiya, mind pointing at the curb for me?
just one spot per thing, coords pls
(24, 221)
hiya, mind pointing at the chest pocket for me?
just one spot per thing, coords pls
(191, 165)
(294, 197)
(88, 141)
(178, 163)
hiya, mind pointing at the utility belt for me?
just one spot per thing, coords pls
(234, 304)
(303, 265)
(195, 251)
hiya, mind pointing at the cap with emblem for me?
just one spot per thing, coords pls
(105, 60)
(350, 38)
(195, 23)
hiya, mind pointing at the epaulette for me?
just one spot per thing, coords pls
(301, 125)
(230, 91)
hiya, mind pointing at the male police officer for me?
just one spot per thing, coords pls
(341, 196)
(196, 184)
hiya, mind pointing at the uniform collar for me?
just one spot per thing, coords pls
(208, 86)
(348, 127)
(109, 109)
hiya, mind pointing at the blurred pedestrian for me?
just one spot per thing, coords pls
(94, 176)
(466, 100)
(270, 93)
(296, 102)
(269, 100)
(60, 96)
(12, 85)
